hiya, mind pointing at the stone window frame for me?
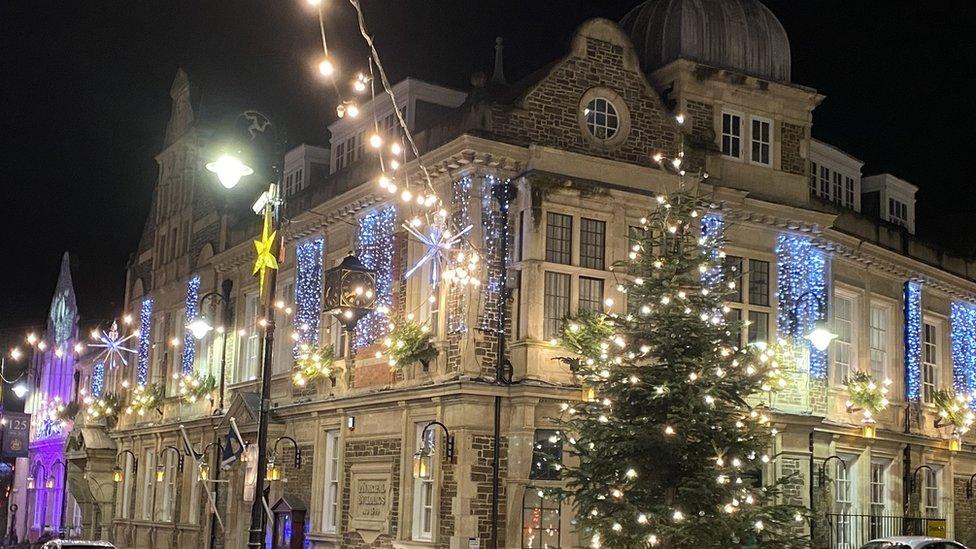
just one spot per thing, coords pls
(856, 299)
(623, 117)
(416, 532)
(332, 445)
(938, 327)
(743, 306)
(752, 139)
(740, 136)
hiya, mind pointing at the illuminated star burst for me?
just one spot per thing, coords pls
(439, 242)
(114, 346)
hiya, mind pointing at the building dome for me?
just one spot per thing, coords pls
(741, 35)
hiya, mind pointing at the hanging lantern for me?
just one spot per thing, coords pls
(204, 472)
(422, 464)
(589, 393)
(955, 443)
(49, 483)
(118, 475)
(350, 291)
(869, 429)
(160, 473)
(274, 472)
(30, 482)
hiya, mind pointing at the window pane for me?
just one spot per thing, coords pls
(929, 361)
(734, 321)
(758, 282)
(592, 243)
(758, 327)
(546, 454)
(732, 270)
(590, 294)
(559, 239)
(843, 345)
(879, 338)
(556, 303)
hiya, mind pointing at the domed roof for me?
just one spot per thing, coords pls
(741, 35)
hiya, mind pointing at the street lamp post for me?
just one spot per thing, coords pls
(230, 170)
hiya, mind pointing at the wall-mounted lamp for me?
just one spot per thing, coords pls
(423, 460)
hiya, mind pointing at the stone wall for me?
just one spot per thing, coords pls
(549, 113)
(792, 137)
(965, 517)
(481, 469)
(355, 449)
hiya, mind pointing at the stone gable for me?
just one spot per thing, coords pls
(549, 112)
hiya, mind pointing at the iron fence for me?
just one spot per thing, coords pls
(853, 531)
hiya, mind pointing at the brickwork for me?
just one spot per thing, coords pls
(791, 139)
(818, 396)
(481, 476)
(965, 513)
(295, 482)
(549, 113)
(449, 491)
(387, 447)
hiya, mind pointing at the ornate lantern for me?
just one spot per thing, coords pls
(117, 474)
(350, 291)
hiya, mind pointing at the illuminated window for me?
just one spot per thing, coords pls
(540, 520)
(546, 454)
(930, 361)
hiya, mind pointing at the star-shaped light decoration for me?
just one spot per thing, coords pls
(439, 242)
(113, 345)
(265, 257)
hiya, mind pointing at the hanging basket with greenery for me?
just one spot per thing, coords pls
(955, 410)
(145, 398)
(197, 385)
(105, 407)
(313, 363)
(866, 394)
(409, 343)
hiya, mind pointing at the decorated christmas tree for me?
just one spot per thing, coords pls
(666, 445)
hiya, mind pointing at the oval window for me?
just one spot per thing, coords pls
(601, 119)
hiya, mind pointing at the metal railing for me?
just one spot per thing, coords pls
(853, 531)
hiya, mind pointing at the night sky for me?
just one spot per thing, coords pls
(85, 101)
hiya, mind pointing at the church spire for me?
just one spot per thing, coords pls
(181, 115)
(64, 308)
(498, 74)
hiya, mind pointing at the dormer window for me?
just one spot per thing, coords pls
(897, 212)
(732, 135)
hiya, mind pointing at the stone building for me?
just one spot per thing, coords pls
(577, 139)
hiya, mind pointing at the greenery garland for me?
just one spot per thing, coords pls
(954, 409)
(106, 406)
(196, 385)
(866, 394)
(312, 363)
(408, 343)
(68, 411)
(144, 398)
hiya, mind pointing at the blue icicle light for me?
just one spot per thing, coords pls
(801, 268)
(913, 340)
(963, 320)
(145, 340)
(376, 252)
(308, 291)
(192, 310)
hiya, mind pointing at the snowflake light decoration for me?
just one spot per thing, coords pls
(440, 241)
(113, 345)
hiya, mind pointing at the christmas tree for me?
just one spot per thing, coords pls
(669, 447)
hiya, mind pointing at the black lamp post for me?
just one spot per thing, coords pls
(230, 170)
(504, 192)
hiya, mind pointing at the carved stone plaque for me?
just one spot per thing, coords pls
(371, 494)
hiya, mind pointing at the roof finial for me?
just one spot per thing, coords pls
(498, 74)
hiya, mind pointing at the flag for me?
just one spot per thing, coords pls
(188, 448)
(232, 449)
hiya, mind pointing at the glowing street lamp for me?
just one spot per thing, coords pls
(199, 327)
(229, 170)
(820, 336)
(20, 390)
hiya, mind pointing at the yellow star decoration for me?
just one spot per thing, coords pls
(266, 258)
